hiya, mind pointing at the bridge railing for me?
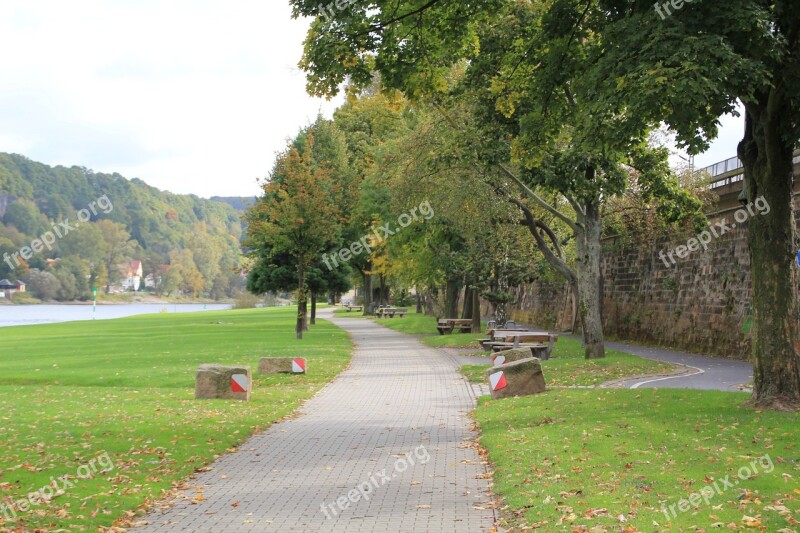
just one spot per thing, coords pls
(732, 171)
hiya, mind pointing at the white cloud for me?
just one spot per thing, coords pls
(188, 96)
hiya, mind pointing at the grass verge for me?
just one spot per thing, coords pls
(569, 368)
(642, 460)
(425, 327)
(71, 392)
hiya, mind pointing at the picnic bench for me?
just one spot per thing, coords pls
(504, 340)
(389, 312)
(447, 325)
(354, 308)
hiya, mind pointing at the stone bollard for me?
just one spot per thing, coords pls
(520, 378)
(223, 382)
(282, 365)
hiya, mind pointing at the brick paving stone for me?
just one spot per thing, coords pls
(397, 396)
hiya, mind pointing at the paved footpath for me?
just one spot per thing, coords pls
(394, 425)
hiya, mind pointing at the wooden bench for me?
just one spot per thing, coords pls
(354, 308)
(390, 312)
(464, 325)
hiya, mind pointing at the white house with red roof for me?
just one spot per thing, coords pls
(131, 275)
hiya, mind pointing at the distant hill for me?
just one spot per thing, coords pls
(199, 236)
(240, 203)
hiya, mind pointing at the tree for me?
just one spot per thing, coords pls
(26, 217)
(42, 285)
(529, 74)
(689, 67)
(118, 245)
(296, 215)
(188, 277)
(368, 123)
(170, 281)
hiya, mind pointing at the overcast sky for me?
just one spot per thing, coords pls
(190, 96)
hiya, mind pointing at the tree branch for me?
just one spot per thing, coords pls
(513, 177)
(539, 201)
(393, 20)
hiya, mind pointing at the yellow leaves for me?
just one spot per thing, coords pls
(750, 521)
(198, 497)
(593, 513)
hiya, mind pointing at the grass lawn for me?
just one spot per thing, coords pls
(569, 368)
(616, 460)
(72, 392)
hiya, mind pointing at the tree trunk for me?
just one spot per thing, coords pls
(587, 270)
(767, 160)
(476, 310)
(384, 298)
(452, 291)
(419, 300)
(367, 292)
(301, 299)
(431, 305)
(313, 308)
(467, 312)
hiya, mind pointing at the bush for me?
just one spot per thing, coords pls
(246, 300)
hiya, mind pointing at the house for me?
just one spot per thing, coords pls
(131, 275)
(7, 288)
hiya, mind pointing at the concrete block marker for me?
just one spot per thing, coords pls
(499, 359)
(497, 381)
(223, 382)
(240, 383)
(518, 378)
(282, 365)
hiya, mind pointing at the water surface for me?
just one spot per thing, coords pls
(20, 315)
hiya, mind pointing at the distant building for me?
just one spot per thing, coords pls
(10, 287)
(131, 278)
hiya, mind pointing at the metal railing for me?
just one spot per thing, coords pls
(723, 167)
(733, 169)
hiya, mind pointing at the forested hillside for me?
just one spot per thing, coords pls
(240, 203)
(64, 230)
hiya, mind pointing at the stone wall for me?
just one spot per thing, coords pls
(700, 304)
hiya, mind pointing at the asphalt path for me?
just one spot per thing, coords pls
(702, 372)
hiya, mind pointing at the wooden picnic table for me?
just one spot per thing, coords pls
(389, 312)
(516, 339)
(354, 308)
(537, 349)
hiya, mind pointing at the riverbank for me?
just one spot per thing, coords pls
(114, 299)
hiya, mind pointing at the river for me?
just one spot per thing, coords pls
(20, 315)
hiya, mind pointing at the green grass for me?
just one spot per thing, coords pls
(577, 460)
(72, 392)
(340, 312)
(425, 327)
(569, 368)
